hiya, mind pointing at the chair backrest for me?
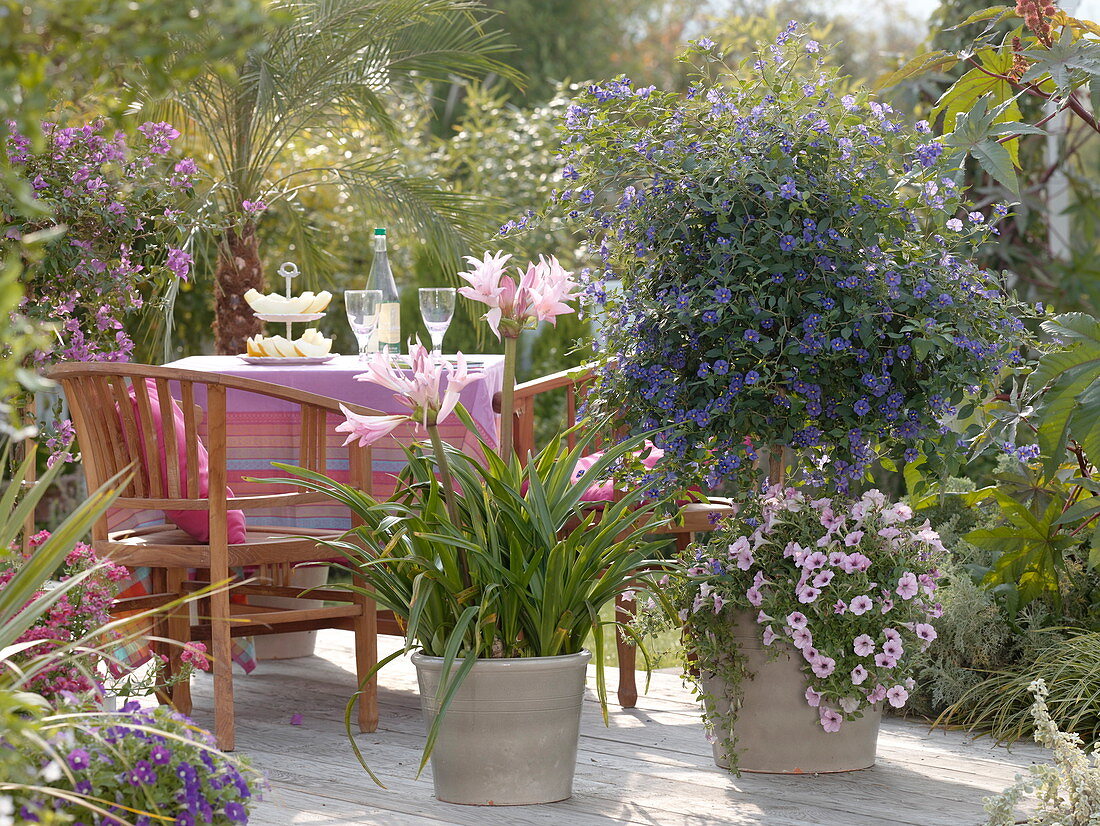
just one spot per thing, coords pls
(573, 384)
(115, 416)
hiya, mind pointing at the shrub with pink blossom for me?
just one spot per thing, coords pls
(50, 666)
(113, 208)
(850, 584)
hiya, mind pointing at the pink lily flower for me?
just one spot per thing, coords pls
(422, 391)
(540, 294)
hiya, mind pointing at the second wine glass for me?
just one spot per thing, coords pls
(437, 307)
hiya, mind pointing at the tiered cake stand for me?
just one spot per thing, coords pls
(289, 271)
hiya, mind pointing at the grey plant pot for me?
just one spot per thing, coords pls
(510, 735)
(776, 731)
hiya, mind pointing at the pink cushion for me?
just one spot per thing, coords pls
(194, 523)
(604, 489)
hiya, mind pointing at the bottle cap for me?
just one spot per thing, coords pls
(380, 231)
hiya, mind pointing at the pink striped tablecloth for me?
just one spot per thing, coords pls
(263, 430)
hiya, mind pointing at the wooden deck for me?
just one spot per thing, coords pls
(652, 766)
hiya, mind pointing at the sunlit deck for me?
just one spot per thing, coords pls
(652, 766)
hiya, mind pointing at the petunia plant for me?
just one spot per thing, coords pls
(779, 264)
(849, 585)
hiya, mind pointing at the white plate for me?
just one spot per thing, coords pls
(285, 360)
(289, 318)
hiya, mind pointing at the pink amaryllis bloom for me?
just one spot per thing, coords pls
(430, 391)
(541, 293)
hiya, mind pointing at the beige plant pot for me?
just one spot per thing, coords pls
(293, 644)
(775, 731)
(509, 736)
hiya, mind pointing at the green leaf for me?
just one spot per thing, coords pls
(920, 64)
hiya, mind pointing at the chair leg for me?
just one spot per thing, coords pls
(179, 629)
(224, 729)
(158, 625)
(627, 655)
(366, 656)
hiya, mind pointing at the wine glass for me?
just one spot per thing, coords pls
(362, 307)
(437, 307)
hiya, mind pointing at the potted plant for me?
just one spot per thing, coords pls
(795, 283)
(794, 266)
(495, 568)
(800, 615)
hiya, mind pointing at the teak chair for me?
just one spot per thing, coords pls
(692, 517)
(114, 433)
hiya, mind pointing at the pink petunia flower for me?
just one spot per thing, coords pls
(796, 619)
(897, 696)
(877, 694)
(893, 648)
(853, 539)
(859, 674)
(863, 645)
(813, 698)
(884, 660)
(769, 635)
(860, 605)
(801, 638)
(808, 595)
(754, 597)
(907, 585)
(830, 719)
(823, 578)
(824, 666)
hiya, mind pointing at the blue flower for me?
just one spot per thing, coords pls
(840, 343)
(787, 243)
(788, 190)
(722, 295)
(752, 377)
(710, 317)
(751, 335)
(721, 367)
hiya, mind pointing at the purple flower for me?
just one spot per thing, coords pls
(722, 295)
(253, 207)
(236, 812)
(79, 759)
(160, 754)
(179, 262)
(787, 243)
(143, 774)
(751, 335)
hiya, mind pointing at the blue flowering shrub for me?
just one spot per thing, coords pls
(143, 766)
(794, 263)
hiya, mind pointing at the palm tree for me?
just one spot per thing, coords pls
(328, 69)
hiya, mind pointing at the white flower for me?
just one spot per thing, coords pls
(51, 772)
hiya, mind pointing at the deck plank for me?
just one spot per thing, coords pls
(652, 765)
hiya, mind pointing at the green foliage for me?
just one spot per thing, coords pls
(1067, 790)
(1048, 498)
(1049, 57)
(1071, 669)
(65, 50)
(324, 79)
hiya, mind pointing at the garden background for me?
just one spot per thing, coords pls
(294, 165)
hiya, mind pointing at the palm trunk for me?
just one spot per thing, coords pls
(239, 270)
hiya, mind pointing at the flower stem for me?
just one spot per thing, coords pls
(507, 398)
(449, 496)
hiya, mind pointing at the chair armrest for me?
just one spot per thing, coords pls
(555, 381)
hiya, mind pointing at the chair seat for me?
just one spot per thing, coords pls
(166, 545)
